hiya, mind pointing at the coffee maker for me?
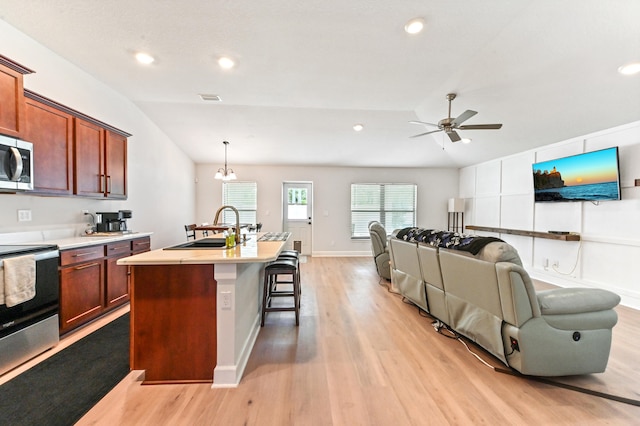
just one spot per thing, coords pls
(113, 221)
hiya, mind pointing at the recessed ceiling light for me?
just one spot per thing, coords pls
(226, 63)
(630, 69)
(358, 127)
(414, 26)
(144, 58)
(465, 140)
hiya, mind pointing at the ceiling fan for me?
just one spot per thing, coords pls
(450, 125)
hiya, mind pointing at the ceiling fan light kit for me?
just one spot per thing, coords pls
(449, 125)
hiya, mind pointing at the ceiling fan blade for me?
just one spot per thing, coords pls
(423, 123)
(426, 133)
(463, 117)
(453, 136)
(480, 126)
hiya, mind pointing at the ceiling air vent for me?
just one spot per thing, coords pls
(210, 98)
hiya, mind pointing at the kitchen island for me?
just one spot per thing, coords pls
(195, 313)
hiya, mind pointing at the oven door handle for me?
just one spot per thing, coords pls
(42, 256)
(46, 255)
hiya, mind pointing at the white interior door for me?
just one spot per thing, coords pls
(297, 200)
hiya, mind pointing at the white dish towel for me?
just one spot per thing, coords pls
(19, 279)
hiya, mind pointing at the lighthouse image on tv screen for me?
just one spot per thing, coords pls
(592, 176)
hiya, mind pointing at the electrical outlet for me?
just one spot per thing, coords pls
(545, 262)
(24, 215)
(226, 299)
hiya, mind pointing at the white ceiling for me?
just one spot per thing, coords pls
(308, 70)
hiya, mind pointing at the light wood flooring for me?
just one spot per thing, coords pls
(361, 356)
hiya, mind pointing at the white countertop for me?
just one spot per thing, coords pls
(250, 251)
(68, 238)
(89, 240)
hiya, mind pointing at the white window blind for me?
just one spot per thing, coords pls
(244, 197)
(392, 204)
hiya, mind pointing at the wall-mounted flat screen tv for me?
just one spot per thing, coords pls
(592, 176)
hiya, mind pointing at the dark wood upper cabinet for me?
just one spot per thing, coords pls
(90, 178)
(12, 117)
(116, 165)
(51, 132)
(74, 154)
(101, 161)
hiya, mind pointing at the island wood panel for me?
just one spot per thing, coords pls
(173, 323)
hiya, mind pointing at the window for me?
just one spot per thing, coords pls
(297, 204)
(244, 197)
(393, 205)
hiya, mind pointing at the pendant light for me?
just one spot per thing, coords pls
(225, 173)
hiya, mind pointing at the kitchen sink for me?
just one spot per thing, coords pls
(201, 244)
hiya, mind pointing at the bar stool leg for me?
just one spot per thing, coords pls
(296, 295)
(266, 289)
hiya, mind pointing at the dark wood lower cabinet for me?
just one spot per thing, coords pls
(117, 285)
(82, 288)
(91, 281)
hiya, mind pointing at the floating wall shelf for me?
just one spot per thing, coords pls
(535, 234)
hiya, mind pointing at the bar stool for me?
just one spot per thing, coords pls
(271, 273)
(292, 254)
(288, 253)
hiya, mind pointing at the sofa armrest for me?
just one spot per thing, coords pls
(579, 308)
(576, 300)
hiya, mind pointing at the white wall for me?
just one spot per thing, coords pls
(331, 198)
(500, 194)
(161, 177)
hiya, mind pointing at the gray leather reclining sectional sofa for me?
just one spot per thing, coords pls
(489, 298)
(380, 249)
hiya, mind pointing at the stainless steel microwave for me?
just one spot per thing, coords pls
(16, 164)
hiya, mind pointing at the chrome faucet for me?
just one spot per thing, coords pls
(215, 220)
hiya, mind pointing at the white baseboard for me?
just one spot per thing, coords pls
(229, 376)
(341, 254)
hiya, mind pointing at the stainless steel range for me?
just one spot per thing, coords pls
(31, 327)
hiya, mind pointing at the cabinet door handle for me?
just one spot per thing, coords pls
(78, 268)
(108, 184)
(84, 254)
(119, 247)
(102, 183)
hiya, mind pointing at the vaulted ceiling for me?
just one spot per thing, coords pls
(306, 71)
